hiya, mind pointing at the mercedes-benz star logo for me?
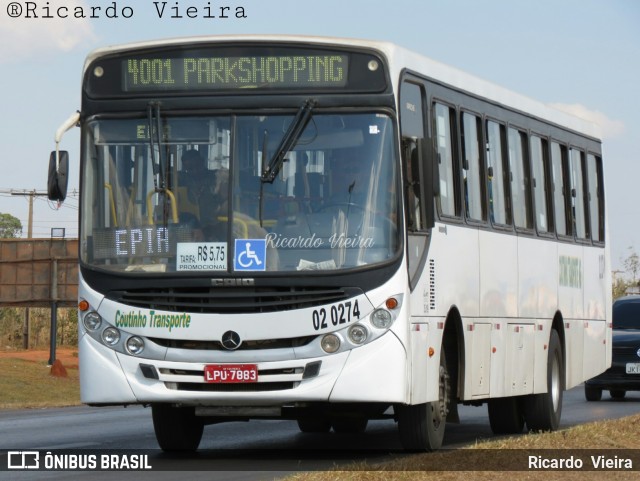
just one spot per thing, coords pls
(231, 340)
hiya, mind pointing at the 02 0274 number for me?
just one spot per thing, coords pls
(342, 313)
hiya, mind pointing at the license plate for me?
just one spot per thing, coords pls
(633, 368)
(230, 373)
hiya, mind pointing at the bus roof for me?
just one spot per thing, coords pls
(398, 59)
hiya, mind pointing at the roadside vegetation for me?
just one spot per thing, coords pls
(26, 380)
(611, 438)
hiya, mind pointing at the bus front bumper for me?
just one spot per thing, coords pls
(375, 372)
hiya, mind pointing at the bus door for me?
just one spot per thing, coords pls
(418, 175)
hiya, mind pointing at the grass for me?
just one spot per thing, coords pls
(610, 438)
(28, 384)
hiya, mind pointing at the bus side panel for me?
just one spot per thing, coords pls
(456, 282)
(538, 298)
(595, 347)
(570, 281)
(478, 373)
(596, 283)
(454, 251)
(519, 362)
(420, 360)
(498, 300)
(571, 306)
(498, 275)
(596, 287)
(426, 334)
(538, 279)
(574, 355)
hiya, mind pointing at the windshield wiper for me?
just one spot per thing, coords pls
(153, 114)
(288, 141)
(160, 166)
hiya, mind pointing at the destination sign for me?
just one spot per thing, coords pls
(138, 242)
(233, 68)
(213, 73)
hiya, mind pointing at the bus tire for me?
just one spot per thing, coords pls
(505, 415)
(349, 425)
(422, 426)
(542, 411)
(314, 425)
(592, 393)
(176, 428)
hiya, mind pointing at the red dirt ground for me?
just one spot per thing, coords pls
(67, 355)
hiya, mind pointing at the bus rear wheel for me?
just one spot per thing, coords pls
(176, 428)
(542, 411)
(422, 426)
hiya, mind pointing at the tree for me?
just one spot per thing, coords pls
(621, 285)
(632, 265)
(10, 226)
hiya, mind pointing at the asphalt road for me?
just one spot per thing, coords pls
(256, 450)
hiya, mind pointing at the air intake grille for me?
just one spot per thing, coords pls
(223, 300)
(432, 285)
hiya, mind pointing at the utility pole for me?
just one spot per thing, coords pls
(32, 194)
(27, 315)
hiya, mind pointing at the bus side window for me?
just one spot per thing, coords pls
(448, 199)
(497, 175)
(561, 188)
(539, 169)
(520, 186)
(578, 194)
(472, 166)
(596, 197)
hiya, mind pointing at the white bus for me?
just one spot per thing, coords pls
(331, 231)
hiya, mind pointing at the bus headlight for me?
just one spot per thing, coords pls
(381, 318)
(92, 321)
(135, 345)
(330, 343)
(111, 336)
(358, 334)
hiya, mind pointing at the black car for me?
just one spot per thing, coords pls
(624, 373)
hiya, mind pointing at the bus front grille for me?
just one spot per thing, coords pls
(248, 345)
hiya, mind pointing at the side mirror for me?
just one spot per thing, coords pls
(58, 175)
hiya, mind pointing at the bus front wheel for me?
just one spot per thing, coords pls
(176, 428)
(422, 426)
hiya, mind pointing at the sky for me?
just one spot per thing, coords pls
(578, 55)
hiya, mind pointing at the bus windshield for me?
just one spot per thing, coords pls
(188, 193)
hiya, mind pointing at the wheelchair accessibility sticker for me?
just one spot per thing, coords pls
(250, 255)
